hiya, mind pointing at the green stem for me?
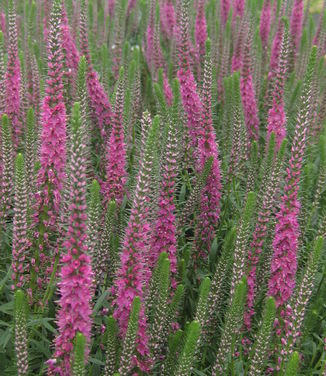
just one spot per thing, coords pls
(49, 290)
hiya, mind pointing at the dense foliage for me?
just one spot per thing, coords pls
(162, 177)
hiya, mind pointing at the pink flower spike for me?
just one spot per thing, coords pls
(296, 23)
(76, 274)
(13, 78)
(265, 23)
(200, 29)
(248, 96)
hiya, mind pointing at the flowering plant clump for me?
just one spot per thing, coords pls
(162, 178)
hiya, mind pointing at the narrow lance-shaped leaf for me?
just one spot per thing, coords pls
(170, 361)
(293, 365)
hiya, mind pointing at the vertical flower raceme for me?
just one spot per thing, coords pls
(93, 224)
(111, 347)
(78, 367)
(276, 121)
(265, 23)
(158, 63)
(264, 221)
(164, 234)
(232, 323)
(51, 175)
(3, 22)
(219, 281)
(150, 34)
(98, 100)
(261, 345)
(237, 58)
(119, 30)
(13, 77)
(30, 150)
(238, 8)
(200, 28)
(157, 306)
(7, 168)
(145, 126)
(284, 261)
(106, 258)
(248, 95)
(71, 59)
(131, 5)
(20, 243)
(300, 300)
(35, 93)
(21, 345)
(276, 48)
(202, 305)
(167, 90)
(187, 356)
(296, 23)
(133, 276)
(183, 42)
(2, 77)
(225, 8)
(82, 97)
(76, 272)
(53, 122)
(239, 135)
(241, 243)
(83, 27)
(319, 38)
(129, 343)
(23, 90)
(190, 98)
(192, 104)
(111, 6)
(157, 57)
(168, 18)
(116, 176)
(211, 194)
